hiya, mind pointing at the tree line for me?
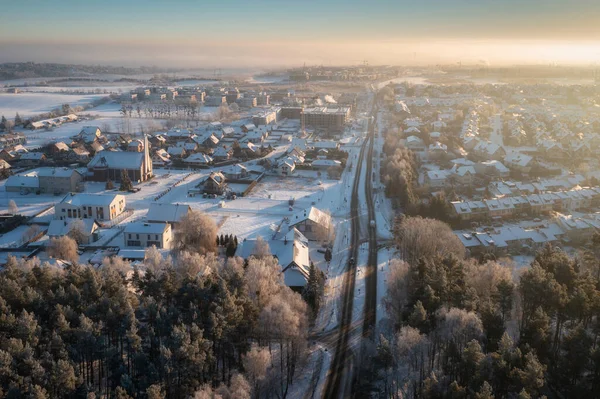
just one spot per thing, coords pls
(193, 324)
(463, 328)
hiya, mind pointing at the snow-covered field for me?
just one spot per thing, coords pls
(29, 104)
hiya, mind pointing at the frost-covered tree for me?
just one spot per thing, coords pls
(12, 207)
(261, 248)
(63, 248)
(196, 232)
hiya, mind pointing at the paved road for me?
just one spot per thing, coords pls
(340, 376)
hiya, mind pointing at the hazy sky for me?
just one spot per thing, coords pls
(240, 33)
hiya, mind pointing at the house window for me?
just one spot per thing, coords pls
(137, 236)
(130, 236)
(156, 237)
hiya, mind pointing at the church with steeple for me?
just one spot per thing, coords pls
(109, 165)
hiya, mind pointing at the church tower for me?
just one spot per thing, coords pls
(147, 163)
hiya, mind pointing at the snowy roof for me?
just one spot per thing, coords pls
(221, 152)
(286, 252)
(325, 144)
(146, 228)
(313, 214)
(56, 172)
(177, 151)
(117, 159)
(464, 170)
(170, 213)
(61, 146)
(90, 130)
(82, 199)
(462, 162)
(59, 228)
(438, 174)
(198, 158)
(326, 162)
(22, 181)
(516, 158)
(33, 156)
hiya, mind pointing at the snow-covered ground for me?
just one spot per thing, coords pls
(13, 238)
(29, 104)
(383, 263)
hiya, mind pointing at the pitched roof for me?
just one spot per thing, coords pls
(82, 199)
(146, 228)
(22, 181)
(117, 160)
(170, 213)
(198, 158)
(56, 172)
(63, 227)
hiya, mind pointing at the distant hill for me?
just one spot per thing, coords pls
(21, 70)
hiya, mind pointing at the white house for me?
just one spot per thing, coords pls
(313, 223)
(415, 143)
(89, 134)
(292, 254)
(198, 159)
(285, 167)
(90, 206)
(437, 178)
(143, 235)
(88, 227)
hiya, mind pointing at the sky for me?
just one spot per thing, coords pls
(269, 33)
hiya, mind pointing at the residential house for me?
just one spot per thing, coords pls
(110, 165)
(285, 167)
(88, 228)
(59, 147)
(324, 164)
(89, 134)
(176, 152)
(313, 223)
(32, 159)
(437, 150)
(235, 172)
(215, 183)
(437, 178)
(292, 253)
(414, 143)
(221, 154)
(198, 159)
(143, 235)
(59, 180)
(486, 150)
(518, 161)
(22, 184)
(90, 206)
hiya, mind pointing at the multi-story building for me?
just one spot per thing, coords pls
(59, 180)
(330, 118)
(90, 206)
